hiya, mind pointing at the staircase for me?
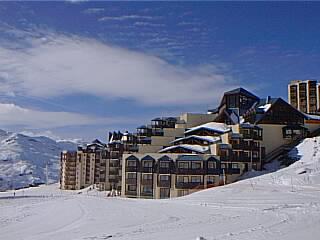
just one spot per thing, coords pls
(282, 151)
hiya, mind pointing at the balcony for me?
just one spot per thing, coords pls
(131, 181)
(146, 194)
(113, 180)
(131, 193)
(189, 185)
(190, 171)
(147, 169)
(225, 158)
(114, 164)
(114, 172)
(214, 171)
(131, 169)
(166, 184)
(147, 182)
(232, 171)
(164, 170)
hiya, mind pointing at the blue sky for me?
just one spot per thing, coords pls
(78, 70)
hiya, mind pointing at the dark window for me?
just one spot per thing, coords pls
(196, 165)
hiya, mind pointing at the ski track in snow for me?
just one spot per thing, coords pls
(278, 206)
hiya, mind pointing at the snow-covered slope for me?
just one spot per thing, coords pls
(23, 159)
(284, 205)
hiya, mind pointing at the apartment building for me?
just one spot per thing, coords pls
(68, 170)
(161, 131)
(304, 95)
(84, 167)
(169, 175)
(208, 155)
(175, 156)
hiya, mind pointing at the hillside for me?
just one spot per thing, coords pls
(23, 159)
(281, 205)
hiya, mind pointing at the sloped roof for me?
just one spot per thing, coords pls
(148, 157)
(241, 91)
(165, 158)
(132, 157)
(194, 148)
(190, 157)
(212, 126)
(264, 106)
(204, 138)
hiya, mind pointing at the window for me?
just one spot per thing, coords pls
(196, 179)
(164, 177)
(147, 164)
(255, 154)
(131, 163)
(246, 154)
(132, 188)
(164, 164)
(183, 179)
(256, 144)
(211, 165)
(223, 165)
(147, 189)
(246, 143)
(131, 175)
(235, 165)
(182, 193)
(196, 165)
(147, 176)
(164, 192)
(183, 165)
(210, 180)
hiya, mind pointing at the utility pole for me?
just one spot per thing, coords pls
(47, 181)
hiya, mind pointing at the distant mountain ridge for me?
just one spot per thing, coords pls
(23, 159)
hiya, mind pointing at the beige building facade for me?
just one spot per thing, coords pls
(304, 95)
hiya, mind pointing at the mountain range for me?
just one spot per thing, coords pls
(29, 160)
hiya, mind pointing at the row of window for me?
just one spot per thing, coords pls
(166, 164)
(180, 179)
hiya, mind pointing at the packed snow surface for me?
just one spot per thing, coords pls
(26, 160)
(284, 205)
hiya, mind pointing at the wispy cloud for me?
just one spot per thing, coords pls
(149, 24)
(60, 65)
(126, 17)
(93, 10)
(13, 115)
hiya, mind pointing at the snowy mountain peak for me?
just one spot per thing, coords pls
(23, 159)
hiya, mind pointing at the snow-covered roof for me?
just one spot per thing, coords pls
(249, 125)
(195, 148)
(312, 117)
(210, 139)
(213, 126)
(265, 107)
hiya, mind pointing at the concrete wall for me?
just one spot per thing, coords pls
(195, 119)
(272, 136)
(312, 125)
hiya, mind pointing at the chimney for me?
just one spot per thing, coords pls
(268, 99)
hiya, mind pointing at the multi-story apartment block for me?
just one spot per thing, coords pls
(68, 170)
(208, 155)
(175, 156)
(161, 131)
(304, 95)
(169, 175)
(85, 167)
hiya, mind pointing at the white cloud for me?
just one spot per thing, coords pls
(149, 24)
(13, 115)
(59, 65)
(93, 10)
(126, 17)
